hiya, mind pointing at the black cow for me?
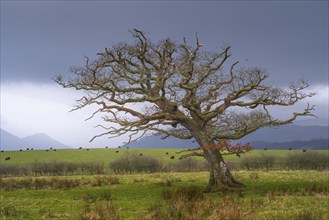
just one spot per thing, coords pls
(140, 154)
(80, 147)
(117, 151)
(167, 153)
(172, 157)
(20, 150)
(304, 151)
(87, 149)
(7, 158)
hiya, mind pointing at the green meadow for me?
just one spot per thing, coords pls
(80, 155)
(273, 194)
(107, 155)
(268, 195)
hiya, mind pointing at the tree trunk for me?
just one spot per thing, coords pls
(220, 175)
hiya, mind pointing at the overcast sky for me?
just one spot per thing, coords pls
(40, 39)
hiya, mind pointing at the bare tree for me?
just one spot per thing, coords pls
(186, 93)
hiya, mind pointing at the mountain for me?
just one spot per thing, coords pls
(315, 144)
(37, 141)
(284, 137)
(313, 121)
(10, 141)
(288, 133)
(42, 141)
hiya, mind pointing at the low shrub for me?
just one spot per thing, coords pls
(92, 167)
(9, 211)
(186, 193)
(307, 215)
(136, 164)
(99, 206)
(254, 175)
(55, 168)
(93, 197)
(191, 203)
(15, 184)
(187, 165)
(168, 181)
(317, 188)
(306, 161)
(104, 180)
(10, 184)
(100, 211)
(14, 170)
(63, 183)
(262, 162)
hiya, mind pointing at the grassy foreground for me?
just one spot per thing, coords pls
(268, 195)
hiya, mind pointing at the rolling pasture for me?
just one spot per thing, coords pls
(107, 155)
(276, 194)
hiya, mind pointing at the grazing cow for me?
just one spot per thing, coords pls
(47, 150)
(51, 148)
(172, 157)
(265, 148)
(117, 151)
(140, 154)
(167, 153)
(31, 148)
(119, 147)
(7, 158)
(27, 148)
(54, 149)
(304, 150)
(80, 147)
(2, 151)
(20, 150)
(290, 149)
(87, 149)
(106, 147)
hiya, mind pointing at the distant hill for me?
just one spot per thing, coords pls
(10, 141)
(312, 122)
(284, 137)
(43, 141)
(315, 144)
(37, 141)
(288, 133)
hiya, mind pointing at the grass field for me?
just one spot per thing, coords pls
(268, 195)
(108, 155)
(300, 195)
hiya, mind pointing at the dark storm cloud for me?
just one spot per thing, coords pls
(40, 39)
